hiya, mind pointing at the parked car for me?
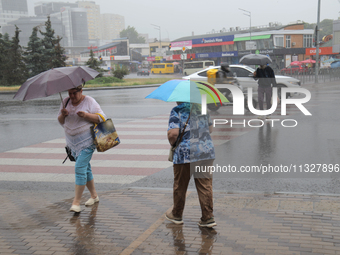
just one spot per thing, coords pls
(143, 72)
(294, 69)
(244, 76)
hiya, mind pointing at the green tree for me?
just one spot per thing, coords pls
(326, 27)
(4, 46)
(53, 52)
(14, 71)
(132, 34)
(34, 54)
(60, 57)
(94, 63)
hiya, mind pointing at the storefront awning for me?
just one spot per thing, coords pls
(247, 38)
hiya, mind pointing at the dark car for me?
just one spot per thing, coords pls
(143, 72)
(294, 69)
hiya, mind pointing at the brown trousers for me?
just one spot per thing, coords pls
(203, 183)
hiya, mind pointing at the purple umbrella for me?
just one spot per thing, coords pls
(54, 81)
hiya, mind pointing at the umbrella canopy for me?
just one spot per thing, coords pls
(255, 59)
(295, 63)
(54, 81)
(308, 61)
(330, 60)
(335, 64)
(187, 91)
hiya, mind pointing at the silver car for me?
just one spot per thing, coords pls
(244, 76)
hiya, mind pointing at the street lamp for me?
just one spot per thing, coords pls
(160, 38)
(317, 45)
(249, 15)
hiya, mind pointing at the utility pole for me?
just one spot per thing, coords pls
(160, 38)
(249, 15)
(317, 45)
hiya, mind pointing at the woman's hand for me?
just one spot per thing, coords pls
(81, 114)
(90, 117)
(64, 112)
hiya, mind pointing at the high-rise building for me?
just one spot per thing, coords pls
(75, 26)
(12, 10)
(111, 25)
(47, 8)
(93, 18)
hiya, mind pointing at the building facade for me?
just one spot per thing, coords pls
(48, 8)
(75, 26)
(11, 10)
(283, 44)
(93, 18)
(26, 25)
(111, 25)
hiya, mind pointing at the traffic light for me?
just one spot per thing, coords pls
(100, 58)
(190, 57)
(170, 46)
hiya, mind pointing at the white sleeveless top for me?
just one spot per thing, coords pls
(77, 130)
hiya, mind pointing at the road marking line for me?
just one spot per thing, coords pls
(50, 177)
(94, 163)
(115, 151)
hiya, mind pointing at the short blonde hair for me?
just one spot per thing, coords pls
(79, 88)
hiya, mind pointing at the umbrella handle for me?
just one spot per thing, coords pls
(61, 100)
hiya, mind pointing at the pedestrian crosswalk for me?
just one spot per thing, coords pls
(143, 151)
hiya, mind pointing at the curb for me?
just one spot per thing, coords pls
(103, 88)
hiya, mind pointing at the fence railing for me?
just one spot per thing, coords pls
(308, 76)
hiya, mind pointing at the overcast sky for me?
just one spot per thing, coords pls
(179, 18)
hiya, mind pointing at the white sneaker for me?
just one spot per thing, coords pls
(75, 208)
(91, 201)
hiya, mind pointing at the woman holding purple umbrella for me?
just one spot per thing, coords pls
(76, 115)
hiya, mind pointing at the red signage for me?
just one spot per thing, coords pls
(322, 51)
(92, 47)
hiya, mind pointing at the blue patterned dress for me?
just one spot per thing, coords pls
(196, 143)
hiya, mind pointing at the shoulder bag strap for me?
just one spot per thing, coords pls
(182, 133)
(68, 100)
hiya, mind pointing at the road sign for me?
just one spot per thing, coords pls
(183, 56)
(183, 49)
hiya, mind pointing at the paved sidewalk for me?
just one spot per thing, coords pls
(131, 221)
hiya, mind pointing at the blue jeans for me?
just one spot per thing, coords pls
(83, 167)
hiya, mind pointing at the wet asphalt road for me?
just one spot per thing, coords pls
(315, 140)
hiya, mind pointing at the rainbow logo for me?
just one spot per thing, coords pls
(205, 87)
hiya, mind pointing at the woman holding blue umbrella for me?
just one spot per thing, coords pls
(189, 132)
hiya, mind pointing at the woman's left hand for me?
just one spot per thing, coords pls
(81, 114)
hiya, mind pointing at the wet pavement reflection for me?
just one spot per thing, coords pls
(131, 221)
(205, 246)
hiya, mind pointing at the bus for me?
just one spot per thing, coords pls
(195, 66)
(162, 68)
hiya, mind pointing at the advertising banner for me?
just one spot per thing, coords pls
(217, 54)
(213, 41)
(181, 44)
(322, 51)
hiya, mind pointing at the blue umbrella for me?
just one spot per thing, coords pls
(335, 64)
(187, 91)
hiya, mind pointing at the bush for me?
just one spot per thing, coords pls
(104, 80)
(119, 72)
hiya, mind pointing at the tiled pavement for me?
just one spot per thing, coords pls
(131, 221)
